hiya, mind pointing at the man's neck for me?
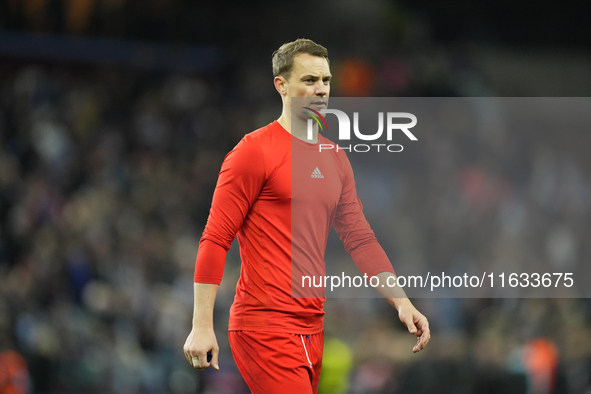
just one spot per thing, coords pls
(298, 129)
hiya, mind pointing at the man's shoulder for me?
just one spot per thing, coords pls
(263, 144)
(268, 134)
(271, 140)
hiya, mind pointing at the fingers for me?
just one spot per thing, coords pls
(422, 342)
(424, 335)
(412, 328)
(199, 360)
(416, 323)
(187, 354)
(201, 350)
(409, 323)
(214, 358)
(191, 356)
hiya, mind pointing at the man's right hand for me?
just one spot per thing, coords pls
(199, 342)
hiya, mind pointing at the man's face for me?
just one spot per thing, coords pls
(310, 77)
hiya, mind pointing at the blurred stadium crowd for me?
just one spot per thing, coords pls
(106, 177)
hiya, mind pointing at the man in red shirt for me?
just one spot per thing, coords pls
(282, 209)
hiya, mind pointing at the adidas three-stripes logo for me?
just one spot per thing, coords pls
(316, 173)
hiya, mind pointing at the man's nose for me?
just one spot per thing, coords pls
(321, 89)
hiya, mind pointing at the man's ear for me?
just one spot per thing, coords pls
(280, 85)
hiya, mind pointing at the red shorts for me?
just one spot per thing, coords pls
(272, 363)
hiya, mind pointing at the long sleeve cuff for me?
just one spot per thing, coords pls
(210, 262)
(371, 259)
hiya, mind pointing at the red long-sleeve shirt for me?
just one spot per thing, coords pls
(281, 196)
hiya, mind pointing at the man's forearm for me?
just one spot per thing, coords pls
(394, 295)
(204, 300)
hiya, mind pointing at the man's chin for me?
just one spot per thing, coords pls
(317, 105)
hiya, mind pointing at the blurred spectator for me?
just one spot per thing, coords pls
(14, 374)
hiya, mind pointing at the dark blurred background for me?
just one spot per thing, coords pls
(115, 116)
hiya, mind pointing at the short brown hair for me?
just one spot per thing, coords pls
(283, 57)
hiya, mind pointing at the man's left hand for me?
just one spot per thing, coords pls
(415, 322)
